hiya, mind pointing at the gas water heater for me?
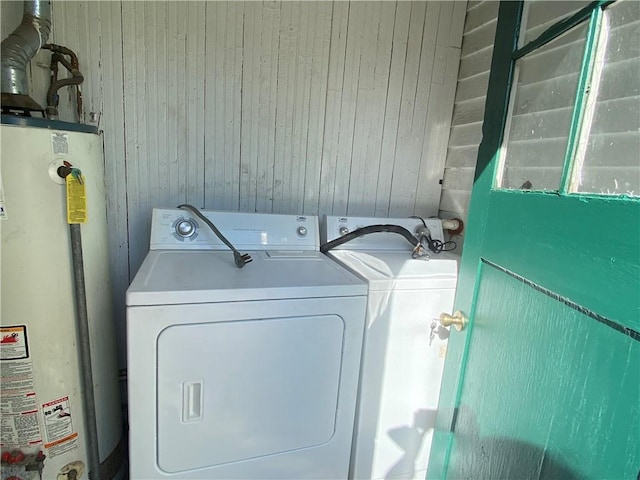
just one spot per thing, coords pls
(44, 434)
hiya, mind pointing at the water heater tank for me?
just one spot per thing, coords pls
(43, 433)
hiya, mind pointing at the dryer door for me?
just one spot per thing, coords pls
(230, 391)
(244, 389)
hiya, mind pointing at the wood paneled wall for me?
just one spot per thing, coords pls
(289, 107)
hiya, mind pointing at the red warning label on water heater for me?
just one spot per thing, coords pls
(13, 342)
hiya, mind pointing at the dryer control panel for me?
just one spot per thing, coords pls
(177, 229)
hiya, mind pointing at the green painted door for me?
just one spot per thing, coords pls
(544, 382)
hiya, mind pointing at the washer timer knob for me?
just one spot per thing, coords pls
(343, 230)
(302, 231)
(186, 228)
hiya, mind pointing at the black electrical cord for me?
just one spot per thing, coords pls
(374, 229)
(436, 246)
(240, 259)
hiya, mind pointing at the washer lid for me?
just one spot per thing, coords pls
(386, 270)
(170, 277)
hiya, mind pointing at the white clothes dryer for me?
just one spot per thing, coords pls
(241, 372)
(404, 347)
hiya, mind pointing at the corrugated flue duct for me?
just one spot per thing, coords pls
(18, 49)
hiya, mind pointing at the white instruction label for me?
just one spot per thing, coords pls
(62, 446)
(60, 143)
(57, 419)
(19, 424)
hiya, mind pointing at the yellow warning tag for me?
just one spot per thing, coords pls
(76, 200)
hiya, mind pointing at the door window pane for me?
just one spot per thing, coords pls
(540, 113)
(540, 15)
(608, 158)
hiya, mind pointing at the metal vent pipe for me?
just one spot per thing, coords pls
(19, 47)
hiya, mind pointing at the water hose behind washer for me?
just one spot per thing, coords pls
(374, 229)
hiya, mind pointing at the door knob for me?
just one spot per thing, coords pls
(458, 320)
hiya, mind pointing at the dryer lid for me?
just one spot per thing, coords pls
(171, 277)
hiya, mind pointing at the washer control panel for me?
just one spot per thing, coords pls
(334, 227)
(181, 229)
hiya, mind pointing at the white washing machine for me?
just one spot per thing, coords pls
(404, 346)
(241, 372)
